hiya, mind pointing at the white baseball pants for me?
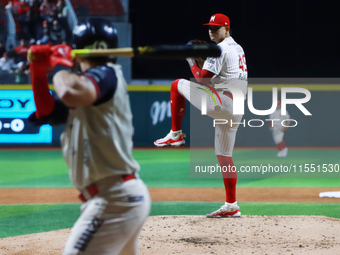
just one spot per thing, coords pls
(224, 134)
(110, 222)
(277, 135)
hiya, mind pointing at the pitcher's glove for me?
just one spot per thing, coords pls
(198, 61)
(196, 42)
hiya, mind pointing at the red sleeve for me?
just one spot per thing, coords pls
(201, 75)
(43, 100)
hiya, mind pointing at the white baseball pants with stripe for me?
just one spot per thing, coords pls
(111, 221)
(224, 134)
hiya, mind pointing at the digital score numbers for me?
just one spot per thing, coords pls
(15, 108)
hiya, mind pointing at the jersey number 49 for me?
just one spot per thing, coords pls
(242, 63)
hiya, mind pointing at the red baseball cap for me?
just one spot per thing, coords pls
(218, 19)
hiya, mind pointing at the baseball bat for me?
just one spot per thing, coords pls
(162, 51)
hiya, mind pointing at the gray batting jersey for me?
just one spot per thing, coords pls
(97, 141)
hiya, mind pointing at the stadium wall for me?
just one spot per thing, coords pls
(152, 118)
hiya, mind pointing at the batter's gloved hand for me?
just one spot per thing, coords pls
(196, 42)
(61, 55)
(50, 56)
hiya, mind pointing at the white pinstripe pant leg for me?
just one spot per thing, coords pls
(277, 136)
(189, 90)
(224, 134)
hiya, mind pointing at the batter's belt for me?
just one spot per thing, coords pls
(92, 190)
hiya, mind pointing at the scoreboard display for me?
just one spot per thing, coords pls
(15, 108)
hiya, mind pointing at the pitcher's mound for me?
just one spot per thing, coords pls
(199, 235)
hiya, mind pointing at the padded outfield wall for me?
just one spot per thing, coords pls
(152, 118)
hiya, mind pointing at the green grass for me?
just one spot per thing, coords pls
(34, 218)
(159, 168)
(256, 208)
(163, 168)
(33, 168)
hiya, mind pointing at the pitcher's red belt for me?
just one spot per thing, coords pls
(92, 189)
(228, 94)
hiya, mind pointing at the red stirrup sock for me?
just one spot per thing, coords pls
(177, 102)
(229, 178)
(281, 145)
(43, 100)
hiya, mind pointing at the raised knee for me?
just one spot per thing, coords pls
(174, 85)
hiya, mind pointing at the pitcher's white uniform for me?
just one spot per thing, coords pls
(277, 127)
(97, 146)
(229, 68)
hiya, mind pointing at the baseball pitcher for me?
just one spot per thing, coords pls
(97, 141)
(229, 68)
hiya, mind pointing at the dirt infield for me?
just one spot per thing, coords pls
(197, 234)
(70, 195)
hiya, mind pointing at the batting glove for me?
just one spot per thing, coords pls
(50, 56)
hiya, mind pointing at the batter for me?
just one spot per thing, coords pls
(97, 141)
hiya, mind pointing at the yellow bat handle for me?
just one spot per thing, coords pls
(162, 51)
(119, 52)
(80, 53)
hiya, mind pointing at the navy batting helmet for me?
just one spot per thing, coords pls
(94, 33)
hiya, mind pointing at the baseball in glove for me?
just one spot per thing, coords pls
(196, 42)
(198, 61)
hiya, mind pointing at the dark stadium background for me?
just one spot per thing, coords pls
(292, 38)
